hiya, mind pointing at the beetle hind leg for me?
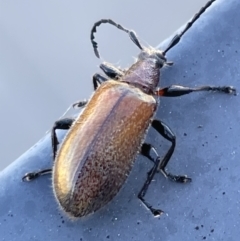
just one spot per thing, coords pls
(142, 193)
(111, 71)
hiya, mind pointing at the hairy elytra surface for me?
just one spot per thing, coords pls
(98, 152)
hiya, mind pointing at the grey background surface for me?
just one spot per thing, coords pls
(47, 61)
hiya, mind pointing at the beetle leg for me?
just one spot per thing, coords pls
(63, 124)
(142, 193)
(145, 151)
(32, 175)
(178, 90)
(79, 104)
(111, 71)
(167, 133)
(159, 164)
(97, 80)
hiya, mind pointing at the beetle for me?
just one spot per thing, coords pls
(99, 150)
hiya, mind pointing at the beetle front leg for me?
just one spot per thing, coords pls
(146, 149)
(98, 79)
(111, 71)
(33, 175)
(80, 104)
(63, 124)
(178, 90)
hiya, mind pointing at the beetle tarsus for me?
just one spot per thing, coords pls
(154, 211)
(111, 71)
(33, 175)
(157, 212)
(176, 178)
(225, 89)
(80, 104)
(30, 176)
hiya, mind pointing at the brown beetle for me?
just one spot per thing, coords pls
(98, 153)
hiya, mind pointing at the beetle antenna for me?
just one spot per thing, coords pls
(177, 37)
(131, 34)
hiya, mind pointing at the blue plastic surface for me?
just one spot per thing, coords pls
(207, 129)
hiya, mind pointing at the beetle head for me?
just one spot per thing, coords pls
(154, 55)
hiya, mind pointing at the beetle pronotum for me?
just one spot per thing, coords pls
(97, 154)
